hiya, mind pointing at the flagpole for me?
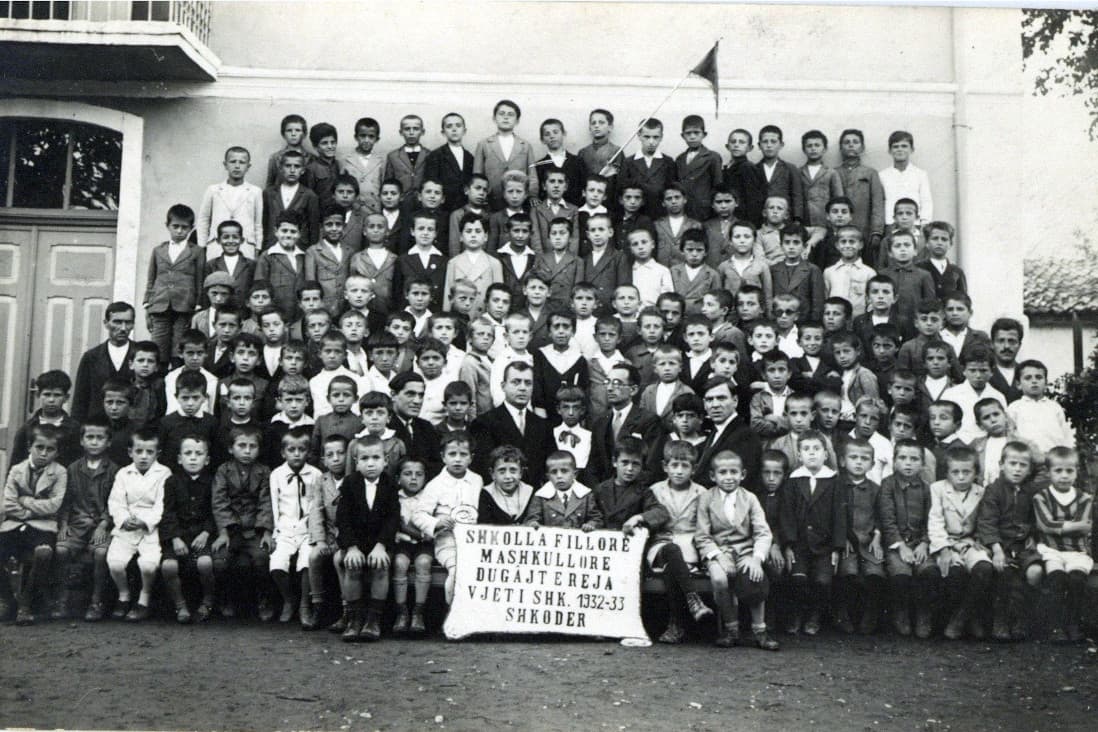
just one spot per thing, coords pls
(657, 109)
(645, 120)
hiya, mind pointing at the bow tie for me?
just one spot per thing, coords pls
(569, 437)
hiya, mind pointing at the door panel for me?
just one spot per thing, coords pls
(16, 294)
(55, 285)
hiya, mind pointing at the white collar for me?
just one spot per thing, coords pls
(803, 472)
(579, 490)
(419, 252)
(509, 250)
(638, 155)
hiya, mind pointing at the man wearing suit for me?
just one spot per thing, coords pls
(1006, 340)
(108, 360)
(367, 519)
(513, 423)
(623, 418)
(731, 431)
(418, 435)
(408, 161)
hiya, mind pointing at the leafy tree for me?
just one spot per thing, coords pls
(1062, 47)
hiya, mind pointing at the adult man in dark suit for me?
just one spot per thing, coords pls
(731, 431)
(419, 435)
(108, 360)
(1006, 340)
(623, 418)
(513, 423)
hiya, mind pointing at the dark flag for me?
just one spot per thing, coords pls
(707, 69)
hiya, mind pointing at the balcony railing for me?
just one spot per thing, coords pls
(194, 15)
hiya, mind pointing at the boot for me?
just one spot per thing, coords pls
(976, 628)
(924, 624)
(698, 609)
(340, 625)
(765, 642)
(371, 629)
(287, 613)
(354, 624)
(842, 620)
(729, 636)
(955, 630)
(1000, 629)
(400, 625)
(308, 614)
(674, 633)
(812, 624)
(901, 617)
(793, 624)
(417, 626)
(266, 609)
(60, 609)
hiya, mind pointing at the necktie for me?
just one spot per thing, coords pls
(564, 499)
(411, 436)
(296, 476)
(522, 422)
(619, 419)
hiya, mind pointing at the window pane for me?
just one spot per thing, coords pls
(5, 158)
(41, 149)
(96, 168)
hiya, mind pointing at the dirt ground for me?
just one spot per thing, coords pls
(242, 675)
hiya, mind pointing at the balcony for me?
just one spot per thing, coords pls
(106, 40)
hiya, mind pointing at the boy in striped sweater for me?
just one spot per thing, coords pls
(1064, 519)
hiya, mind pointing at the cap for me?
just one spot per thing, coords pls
(217, 278)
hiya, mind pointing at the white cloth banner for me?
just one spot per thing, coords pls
(516, 579)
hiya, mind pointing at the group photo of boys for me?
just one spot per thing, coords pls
(761, 342)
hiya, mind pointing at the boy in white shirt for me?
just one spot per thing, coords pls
(450, 498)
(136, 504)
(903, 180)
(293, 485)
(649, 276)
(1036, 417)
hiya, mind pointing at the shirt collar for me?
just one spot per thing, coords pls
(803, 472)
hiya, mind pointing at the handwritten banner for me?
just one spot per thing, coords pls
(515, 579)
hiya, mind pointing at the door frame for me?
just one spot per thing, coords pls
(128, 216)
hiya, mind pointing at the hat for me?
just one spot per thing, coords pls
(217, 278)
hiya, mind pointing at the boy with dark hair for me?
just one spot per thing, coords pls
(187, 528)
(33, 495)
(903, 180)
(232, 262)
(649, 168)
(84, 524)
(241, 500)
(322, 171)
(861, 570)
(795, 276)
(862, 186)
(1005, 524)
(407, 162)
(452, 166)
(190, 419)
(813, 520)
(282, 263)
(782, 179)
(698, 167)
(366, 165)
(745, 180)
(174, 283)
(289, 195)
(53, 391)
(913, 284)
(819, 182)
(293, 129)
(948, 277)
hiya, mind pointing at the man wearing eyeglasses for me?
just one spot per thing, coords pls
(623, 418)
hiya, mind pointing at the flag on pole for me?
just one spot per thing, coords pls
(707, 69)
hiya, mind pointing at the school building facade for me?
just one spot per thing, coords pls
(112, 111)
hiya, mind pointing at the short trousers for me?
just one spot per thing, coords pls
(125, 544)
(741, 585)
(898, 567)
(969, 556)
(413, 549)
(284, 550)
(817, 567)
(1064, 561)
(861, 563)
(446, 549)
(21, 542)
(77, 541)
